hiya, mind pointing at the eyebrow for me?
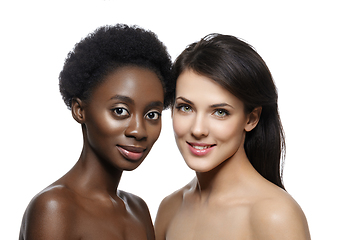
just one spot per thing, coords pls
(185, 100)
(131, 101)
(217, 105)
(156, 104)
(221, 105)
(123, 98)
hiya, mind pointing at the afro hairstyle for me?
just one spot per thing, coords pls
(108, 48)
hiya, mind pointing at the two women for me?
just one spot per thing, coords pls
(226, 125)
(116, 82)
(228, 130)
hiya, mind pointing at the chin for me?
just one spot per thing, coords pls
(200, 166)
(128, 169)
(130, 166)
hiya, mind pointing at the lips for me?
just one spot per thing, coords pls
(131, 152)
(200, 149)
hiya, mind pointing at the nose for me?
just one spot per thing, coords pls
(136, 128)
(199, 128)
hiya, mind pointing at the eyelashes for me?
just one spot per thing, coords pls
(221, 113)
(122, 113)
(153, 115)
(186, 108)
(183, 108)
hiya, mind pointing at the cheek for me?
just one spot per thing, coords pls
(154, 132)
(180, 125)
(103, 125)
(227, 131)
(105, 131)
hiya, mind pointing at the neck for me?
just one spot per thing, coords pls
(230, 174)
(101, 174)
(93, 176)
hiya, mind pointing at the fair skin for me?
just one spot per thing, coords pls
(228, 198)
(120, 122)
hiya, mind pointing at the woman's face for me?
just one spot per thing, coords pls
(123, 116)
(209, 122)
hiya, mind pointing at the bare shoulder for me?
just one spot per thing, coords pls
(278, 216)
(170, 204)
(49, 215)
(140, 209)
(135, 202)
(167, 210)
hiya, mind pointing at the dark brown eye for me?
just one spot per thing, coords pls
(121, 111)
(153, 115)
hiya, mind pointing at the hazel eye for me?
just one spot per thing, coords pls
(121, 111)
(184, 108)
(221, 113)
(153, 115)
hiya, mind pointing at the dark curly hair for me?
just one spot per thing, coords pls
(108, 48)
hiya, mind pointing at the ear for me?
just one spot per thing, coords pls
(253, 119)
(77, 110)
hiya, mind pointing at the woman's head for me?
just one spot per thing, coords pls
(238, 68)
(116, 82)
(122, 119)
(107, 49)
(209, 123)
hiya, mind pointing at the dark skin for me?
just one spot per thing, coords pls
(120, 122)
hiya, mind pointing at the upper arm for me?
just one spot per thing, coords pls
(161, 221)
(279, 220)
(48, 216)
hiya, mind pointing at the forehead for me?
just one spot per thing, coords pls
(140, 84)
(201, 88)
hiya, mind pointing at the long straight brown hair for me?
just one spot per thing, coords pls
(236, 66)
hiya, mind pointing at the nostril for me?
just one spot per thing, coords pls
(199, 130)
(137, 130)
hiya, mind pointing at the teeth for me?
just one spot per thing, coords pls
(200, 147)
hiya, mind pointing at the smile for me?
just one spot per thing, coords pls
(200, 149)
(131, 152)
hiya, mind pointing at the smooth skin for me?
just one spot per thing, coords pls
(228, 198)
(121, 121)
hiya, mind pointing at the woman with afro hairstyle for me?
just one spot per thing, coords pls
(116, 82)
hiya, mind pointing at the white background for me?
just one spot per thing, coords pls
(311, 48)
